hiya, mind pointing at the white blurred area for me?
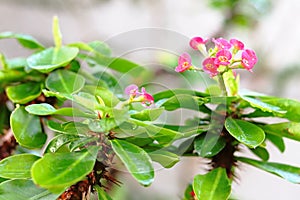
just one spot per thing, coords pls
(276, 37)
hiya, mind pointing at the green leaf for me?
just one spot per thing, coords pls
(24, 93)
(59, 141)
(148, 114)
(291, 106)
(56, 33)
(58, 171)
(286, 129)
(64, 81)
(188, 192)
(4, 117)
(208, 146)
(27, 128)
(17, 166)
(103, 94)
(100, 47)
(44, 109)
(7, 76)
(24, 189)
(136, 160)
(261, 153)
(214, 185)
(290, 173)
(52, 58)
(263, 106)
(277, 141)
(170, 93)
(245, 132)
(181, 101)
(26, 41)
(102, 195)
(165, 158)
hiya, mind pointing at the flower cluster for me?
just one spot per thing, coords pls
(135, 96)
(224, 56)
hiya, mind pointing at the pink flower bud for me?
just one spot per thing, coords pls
(249, 59)
(196, 41)
(148, 98)
(184, 63)
(238, 45)
(221, 43)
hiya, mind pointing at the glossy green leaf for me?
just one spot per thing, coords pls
(7, 76)
(59, 141)
(136, 160)
(24, 93)
(263, 106)
(173, 92)
(162, 135)
(100, 47)
(16, 63)
(286, 129)
(64, 81)
(24, 189)
(288, 172)
(181, 101)
(102, 195)
(55, 126)
(58, 171)
(208, 146)
(245, 132)
(214, 185)
(17, 166)
(52, 58)
(277, 141)
(81, 142)
(165, 158)
(261, 153)
(26, 41)
(148, 114)
(291, 106)
(27, 128)
(44, 109)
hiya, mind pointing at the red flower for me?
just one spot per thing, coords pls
(249, 59)
(184, 63)
(238, 45)
(222, 43)
(148, 98)
(196, 41)
(210, 67)
(223, 57)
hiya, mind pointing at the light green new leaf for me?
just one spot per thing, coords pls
(56, 32)
(17, 166)
(44, 109)
(58, 171)
(263, 106)
(24, 189)
(26, 41)
(65, 82)
(136, 160)
(245, 132)
(286, 129)
(27, 128)
(52, 58)
(165, 158)
(288, 172)
(148, 114)
(24, 93)
(181, 101)
(214, 185)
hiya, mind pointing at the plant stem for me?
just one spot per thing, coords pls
(222, 85)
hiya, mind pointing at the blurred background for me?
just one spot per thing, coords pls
(144, 30)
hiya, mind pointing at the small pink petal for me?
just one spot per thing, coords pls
(237, 44)
(196, 41)
(131, 89)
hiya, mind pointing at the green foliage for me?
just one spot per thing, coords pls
(91, 121)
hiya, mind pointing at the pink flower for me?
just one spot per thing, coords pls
(210, 67)
(223, 57)
(184, 63)
(131, 90)
(196, 41)
(222, 43)
(148, 98)
(238, 45)
(249, 59)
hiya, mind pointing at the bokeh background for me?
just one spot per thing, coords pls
(271, 27)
